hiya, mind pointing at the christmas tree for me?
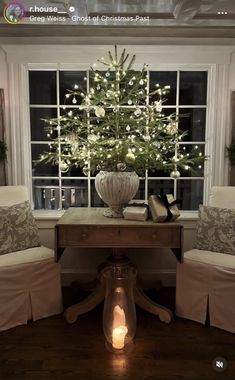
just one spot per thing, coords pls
(119, 126)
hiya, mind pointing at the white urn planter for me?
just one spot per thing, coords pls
(116, 189)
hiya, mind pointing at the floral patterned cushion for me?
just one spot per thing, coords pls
(18, 229)
(216, 230)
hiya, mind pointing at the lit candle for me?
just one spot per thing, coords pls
(119, 328)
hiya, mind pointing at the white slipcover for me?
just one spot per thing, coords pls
(205, 281)
(30, 285)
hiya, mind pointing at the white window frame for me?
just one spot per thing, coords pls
(147, 177)
(23, 58)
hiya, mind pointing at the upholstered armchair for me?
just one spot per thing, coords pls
(205, 281)
(30, 286)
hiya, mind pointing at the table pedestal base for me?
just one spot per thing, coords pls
(117, 258)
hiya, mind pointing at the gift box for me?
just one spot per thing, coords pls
(136, 213)
(163, 208)
(175, 213)
(157, 208)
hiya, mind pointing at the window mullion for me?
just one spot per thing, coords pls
(58, 127)
(89, 162)
(146, 171)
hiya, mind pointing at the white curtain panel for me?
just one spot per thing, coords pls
(3, 177)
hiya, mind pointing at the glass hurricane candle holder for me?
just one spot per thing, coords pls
(119, 316)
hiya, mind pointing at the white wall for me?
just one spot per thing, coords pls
(3, 69)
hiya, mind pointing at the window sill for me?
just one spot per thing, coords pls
(56, 215)
(48, 214)
(188, 215)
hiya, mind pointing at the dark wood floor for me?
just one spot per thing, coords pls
(50, 349)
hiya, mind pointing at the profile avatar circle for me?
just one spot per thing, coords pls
(14, 12)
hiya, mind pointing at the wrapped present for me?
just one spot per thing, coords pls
(157, 208)
(171, 204)
(163, 208)
(136, 212)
